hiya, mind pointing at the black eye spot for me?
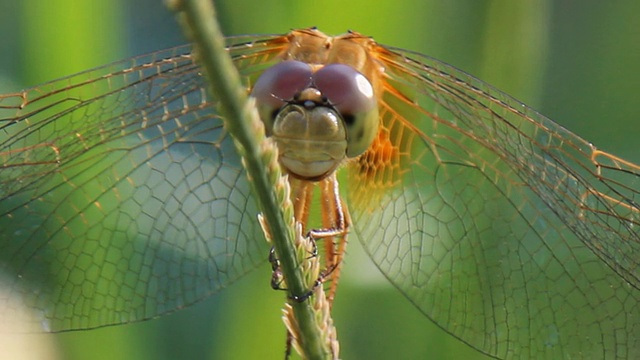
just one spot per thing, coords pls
(349, 119)
(274, 113)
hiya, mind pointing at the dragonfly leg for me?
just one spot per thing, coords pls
(336, 222)
(333, 233)
(277, 279)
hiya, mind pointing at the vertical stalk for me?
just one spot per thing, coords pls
(260, 160)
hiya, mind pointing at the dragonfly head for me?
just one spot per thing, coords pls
(318, 118)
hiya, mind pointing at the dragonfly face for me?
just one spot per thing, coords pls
(122, 196)
(317, 118)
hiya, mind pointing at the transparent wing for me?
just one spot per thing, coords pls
(121, 195)
(508, 231)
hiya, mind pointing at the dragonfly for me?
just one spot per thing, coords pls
(122, 196)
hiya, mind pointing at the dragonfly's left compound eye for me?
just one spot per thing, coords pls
(277, 85)
(351, 93)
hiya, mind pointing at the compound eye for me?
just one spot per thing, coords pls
(351, 93)
(347, 90)
(279, 84)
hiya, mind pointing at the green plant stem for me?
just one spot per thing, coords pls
(200, 25)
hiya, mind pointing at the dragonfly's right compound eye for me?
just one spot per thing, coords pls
(351, 93)
(278, 85)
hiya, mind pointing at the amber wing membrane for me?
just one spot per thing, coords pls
(507, 230)
(121, 195)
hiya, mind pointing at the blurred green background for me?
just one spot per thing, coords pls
(574, 61)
